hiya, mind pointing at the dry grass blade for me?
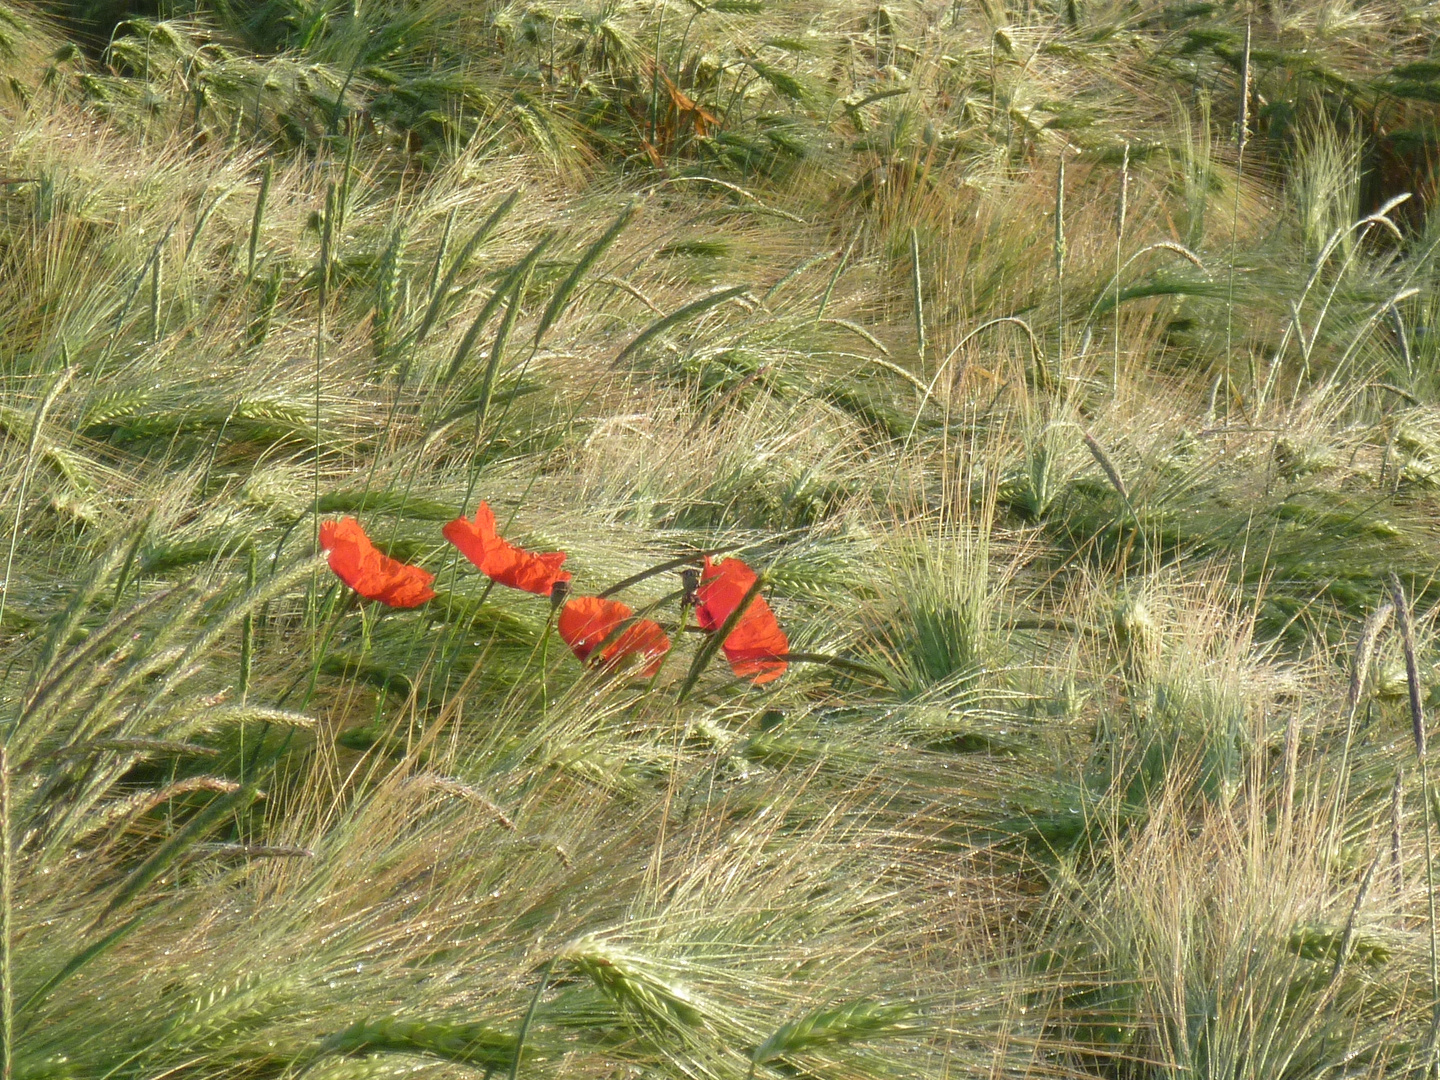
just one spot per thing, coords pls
(1417, 716)
(1412, 665)
(450, 786)
(176, 847)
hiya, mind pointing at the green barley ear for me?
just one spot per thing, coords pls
(518, 273)
(467, 1043)
(388, 293)
(157, 278)
(259, 218)
(442, 293)
(629, 983)
(440, 252)
(676, 317)
(1138, 635)
(567, 288)
(865, 1019)
(68, 621)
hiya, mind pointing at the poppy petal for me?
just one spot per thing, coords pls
(755, 648)
(586, 621)
(722, 587)
(502, 561)
(757, 642)
(370, 572)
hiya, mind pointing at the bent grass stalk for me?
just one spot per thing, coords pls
(918, 290)
(7, 911)
(1059, 255)
(1120, 214)
(1417, 717)
(1242, 137)
(1370, 633)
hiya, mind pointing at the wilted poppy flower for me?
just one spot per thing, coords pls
(504, 562)
(586, 621)
(756, 644)
(371, 573)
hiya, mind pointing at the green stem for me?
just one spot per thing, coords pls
(529, 1016)
(7, 983)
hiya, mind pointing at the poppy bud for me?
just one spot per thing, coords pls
(559, 593)
(690, 579)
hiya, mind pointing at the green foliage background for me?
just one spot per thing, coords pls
(1070, 369)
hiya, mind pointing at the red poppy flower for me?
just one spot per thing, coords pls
(371, 573)
(756, 644)
(587, 621)
(504, 562)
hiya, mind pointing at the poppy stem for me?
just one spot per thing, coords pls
(684, 613)
(707, 651)
(545, 665)
(668, 564)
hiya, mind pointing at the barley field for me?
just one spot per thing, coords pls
(1067, 373)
